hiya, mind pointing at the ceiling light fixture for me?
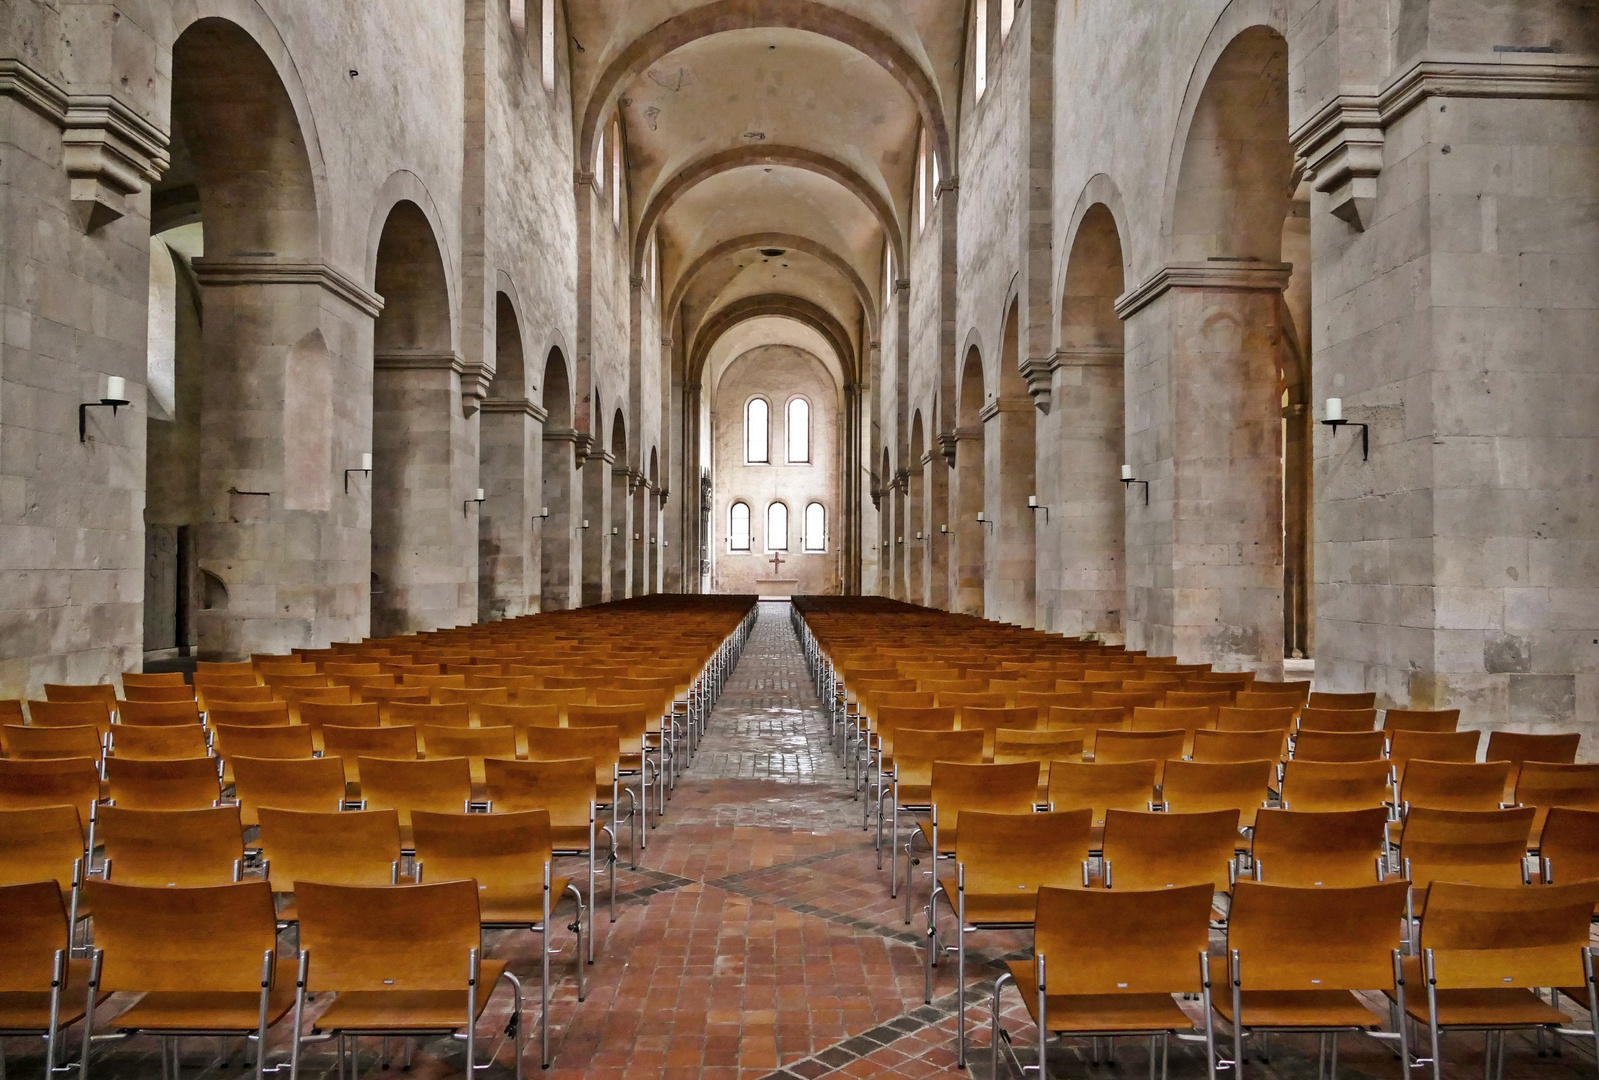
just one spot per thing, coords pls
(772, 253)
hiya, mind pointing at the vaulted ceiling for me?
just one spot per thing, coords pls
(771, 145)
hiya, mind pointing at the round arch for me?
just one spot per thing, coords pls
(778, 304)
(405, 186)
(802, 244)
(1100, 190)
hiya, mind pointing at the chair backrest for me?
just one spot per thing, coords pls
(158, 743)
(354, 744)
(440, 784)
(1089, 720)
(892, 718)
(1262, 699)
(1405, 744)
(1335, 785)
(989, 719)
(1484, 937)
(629, 721)
(50, 742)
(1339, 745)
(1196, 786)
(159, 713)
(206, 668)
(563, 788)
(1366, 699)
(1004, 854)
(1128, 700)
(205, 685)
(1339, 720)
(75, 692)
(1299, 689)
(153, 678)
(504, 853)
(287, 784)
(916, 750)
(1145, 850)
(263, 742)
(1569, 845)
(70, 714)
(1312, 940)
(1558, 748)
(205, 940)
(519, 717)
(997, 789)
(352, 714)
(29, 783)
(1319, 849)
(1167, 717)
(416, 937)
(485, 742)
(353, 847)
(418, 713)
(1223, 746)
(40, 844)
(1101, 787)
(175, 784)
(1483, 847)
(249, 713)
(1453, 785)
(35, 918)
(135, 692)
(1040, 746)
(1234, 718)
(1545, 784)
(171, 848)
(1435, 720)
(1183, 699)
(1111, 747)
(899, 699)
(1113, 941)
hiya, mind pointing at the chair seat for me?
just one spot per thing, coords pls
(913, 795)
(520, 909)
(408, 1010)
(984, 909)
(570, 837)
(1295, 1008)
(1099, 1013)
(946, 837)
(1487, 1007)
(30, 1011)
(200, 1011)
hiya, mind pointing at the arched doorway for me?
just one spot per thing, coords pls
(971, 535)
(555, 524)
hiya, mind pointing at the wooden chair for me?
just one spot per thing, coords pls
(96, 714)
(631, 724)
(474, 744)
(418, 713)
(158, 743)
(133, 692)
(353, 847)
(1114, 747)
(399, 960)
(989, 719)
(261, 714)
(442, 785)
(154, 678)
(159, 713)
(42, 990)
(1337, 720)
(1043, 747)
(910, 788)
(1452, 785)
(204, 960)
(1366, 699)
(563, 789)
(102, 692)
(1403, 745)
(51, 742)
(1126, 700)
(353, 744)
(601, 745)
(1477, 847)
(1335, 785)
(287, 784)
(1518, 747)
(1432, 720)
(1197, 787)
(263, 742)
(1320, 849)
(1545, 784)
(45, 843)
(1483, 950)
(957, 786)
(1339, 745)
(1233, 718)
(1233, 746)
(877, 745)
(519, 718)
(27, 784)
(1144, 850)
(1186, 699)
(1101, 787)
(1106, 963)
(1001, 860)
(208, 668)
(1261, 699)
(511, 858)
(1297, 957)
(176, 784)
(185, 849)
(1169, 718)
(1568, 849)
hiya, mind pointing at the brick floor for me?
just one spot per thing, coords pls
(757, 941)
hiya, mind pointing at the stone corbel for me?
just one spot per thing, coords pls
(876, 492)
(522, 406)
(1341, 146)
(635, 480)
(1039, 371)
(582, 446)
(947, 443)
(109, 152)
(475, 379)
(663, 495)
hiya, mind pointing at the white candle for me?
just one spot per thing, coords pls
(1032, 500)
(544, 511)
(918, 536)
(479, 495)
(981, 516)
(1127, 472)
(943, 528)
(1335, 408)
(366, 462)
(116, 388)
(585, 523)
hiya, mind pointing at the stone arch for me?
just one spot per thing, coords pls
(1100, 191)
(802, 244)
(744, 157)
(779, 304)
(1010, 440)
(970, 535)
(404, 186)
(619, 535)
(804, 15)
(915, 512)
(555, 520)
(652, 537)
(509, 473)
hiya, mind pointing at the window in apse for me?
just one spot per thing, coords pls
(799, 431)
(815, 527)
(757, 432)
(738, 527)
(777, 527)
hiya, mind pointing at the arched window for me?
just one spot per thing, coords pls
(1007, 15)
(815, 527)
(777, 527)
(799, 431)
(980, 47)
(616, 174)
(738, 527)
(599, 162)
(757, 432)
(547, 44)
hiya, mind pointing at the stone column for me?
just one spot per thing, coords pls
(639, 538)
(915, 549)
(935, 473)
(558, 537)
(1010, 557)
(509, 540)
(424, 472)
(896, 540)
(968, 536)
(1204, 427)
(595, 510)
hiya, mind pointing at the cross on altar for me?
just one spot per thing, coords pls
(777, 563)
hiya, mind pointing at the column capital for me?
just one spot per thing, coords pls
(271, 270)
(1003, 405)
(524, 406)
(1341, 145)
(1223, 275)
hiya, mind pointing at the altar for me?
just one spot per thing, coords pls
(774, 587)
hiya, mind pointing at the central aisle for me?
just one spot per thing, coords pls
(757, 935)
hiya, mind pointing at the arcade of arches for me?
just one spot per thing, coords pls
(481, 309)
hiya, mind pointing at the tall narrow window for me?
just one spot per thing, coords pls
(921, 181)
(599, 163)
(777, 527)
(547, 44)
(799, 431)
(738, 527)
(757, 432)
(616, 174)
(1007, 15)
(888, 274)
(980, 47)
(815, 527)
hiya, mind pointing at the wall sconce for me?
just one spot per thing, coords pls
(652, 541)
(613, 530)
(585, 523)
(1129, 481)
(919, 536)
(116, 396)
(544, 513)
(944, 529)
(479, 499)
(1335, 420)
(900, 540)
(366, 467)
(984, 519)
(1032, 504)
(636, 536)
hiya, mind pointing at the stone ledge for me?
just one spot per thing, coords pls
(1230, 275)
(525, 406)
(223, 273)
